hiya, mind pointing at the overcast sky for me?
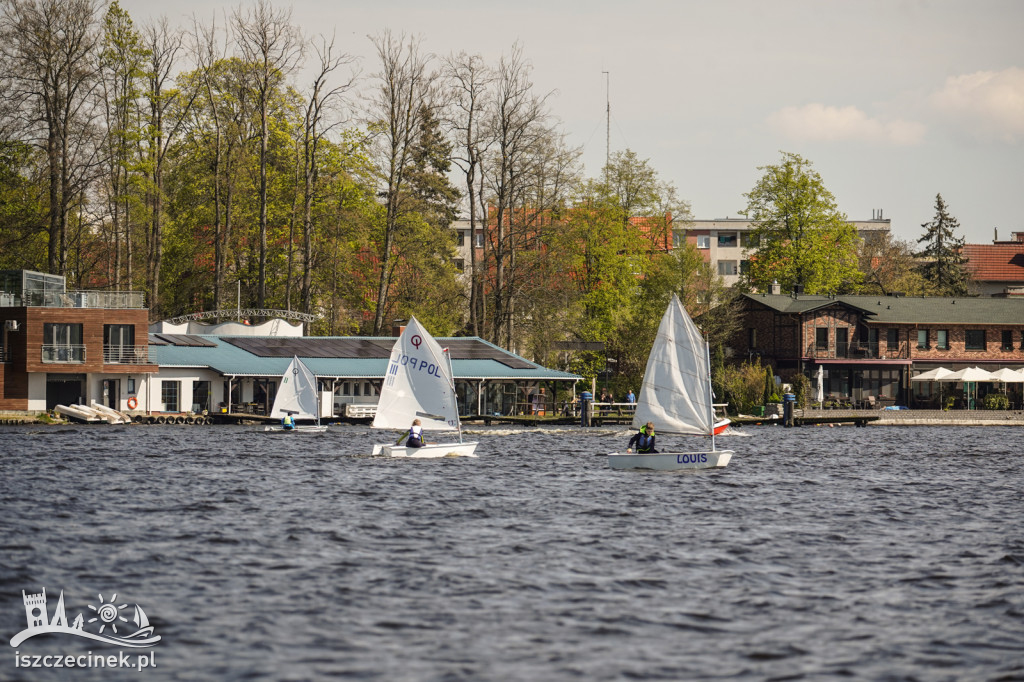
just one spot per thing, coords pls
(893, 101)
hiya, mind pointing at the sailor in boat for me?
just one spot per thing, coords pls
(644, 440)
(414, 434)
(287, 423)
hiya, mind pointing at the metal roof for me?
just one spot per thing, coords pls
(234, 356)
(906, 310)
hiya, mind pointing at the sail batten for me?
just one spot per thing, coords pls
(676, 394)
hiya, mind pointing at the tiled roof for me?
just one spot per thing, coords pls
(231, 359)
(995, 262)
(906, 310)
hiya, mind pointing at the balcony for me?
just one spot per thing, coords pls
(118, 300)
(859, 351)
(126, 355)
(64, 353)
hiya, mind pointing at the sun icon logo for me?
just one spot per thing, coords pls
(108, 614)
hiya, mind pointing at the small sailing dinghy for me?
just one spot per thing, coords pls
(419, 385)
(676, 397)
(297, 396)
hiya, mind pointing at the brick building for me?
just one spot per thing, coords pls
(62, 346)
(869, 347)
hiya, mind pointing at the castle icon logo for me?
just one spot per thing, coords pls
(106, 621)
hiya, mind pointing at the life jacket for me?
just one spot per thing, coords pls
(415, 436)
(646, 440)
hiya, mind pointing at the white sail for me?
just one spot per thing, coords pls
(297, 393)
(418, 385)
(676, 391)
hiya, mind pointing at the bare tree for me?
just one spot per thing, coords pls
(322, 98)
(405, 94)
(271, 48)
(470, 79)
(48, 49)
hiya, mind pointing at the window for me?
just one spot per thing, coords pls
(201, 394)
(727, 239)
(1007, 339)
(703, 241)
(479, 240)
(942, 339)
(749, 241)
(169, 392)
(842, 341)
(974, 339)
(726, 267)
(892, 338)
(118, 343)
(744, 267)
(922, 339)
(751, 337)
(462, 238)
(62, 342)
(821, 338)
(460, 263)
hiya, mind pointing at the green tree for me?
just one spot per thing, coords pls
(890, 265)
(944, 266)
(802, 237)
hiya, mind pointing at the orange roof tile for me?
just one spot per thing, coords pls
(995, 262)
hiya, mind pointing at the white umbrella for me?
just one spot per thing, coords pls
(932, 375)
(971, 375)
(821, 386)
(1007, 376)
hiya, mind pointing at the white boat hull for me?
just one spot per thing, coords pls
(301, 428)
(670, 461)
(430, 450)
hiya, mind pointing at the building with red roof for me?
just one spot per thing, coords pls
(997, 268)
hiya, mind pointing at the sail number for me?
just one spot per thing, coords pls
(417, 365)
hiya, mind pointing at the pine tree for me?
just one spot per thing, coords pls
(943, 252)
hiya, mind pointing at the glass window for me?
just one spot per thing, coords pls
(821, 338)
(727, 239)
(703, 241)
(749, 241)
(479, 240)
(974, 339)
(942, 339)
(751, 337)
(1007, 340)
(892, 338)
(922, 339)
(744, 267)
(169, 392)
(462, 238)
(726, 267)
(460, 264)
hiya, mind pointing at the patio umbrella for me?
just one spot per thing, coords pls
(932, 375)
(821, 386)
(970, 376)
(1007, 376)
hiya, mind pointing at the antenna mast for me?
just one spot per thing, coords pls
(608, 120)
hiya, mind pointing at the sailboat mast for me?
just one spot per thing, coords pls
(455, 395)
(711, 393)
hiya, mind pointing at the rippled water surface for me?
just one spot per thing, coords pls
(872, 553)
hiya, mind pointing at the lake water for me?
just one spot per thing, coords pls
(892, 553)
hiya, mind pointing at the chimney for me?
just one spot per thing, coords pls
(776, 288)
(397, 327)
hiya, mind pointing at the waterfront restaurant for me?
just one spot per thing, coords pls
(870, 347)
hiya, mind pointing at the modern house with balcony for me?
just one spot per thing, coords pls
(869, 347)
(63, 347)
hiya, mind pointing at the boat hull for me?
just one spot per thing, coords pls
(429, 451)
(301, 428)
(670, 461)
(722, 426)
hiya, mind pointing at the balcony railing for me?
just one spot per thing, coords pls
(75, 299)
(70, 353)
(860, 351)
(126, 355)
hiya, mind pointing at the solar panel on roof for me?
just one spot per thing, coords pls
(187, 340)
(355, 347)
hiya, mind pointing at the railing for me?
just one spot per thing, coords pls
(75, 299)
(70, 353)
(860, 351)
(126, 355)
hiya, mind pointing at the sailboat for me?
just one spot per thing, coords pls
(297, 396)
(419, 384)
(676, 397)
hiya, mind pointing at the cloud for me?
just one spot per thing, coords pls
(826, 123)
(990, 104)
